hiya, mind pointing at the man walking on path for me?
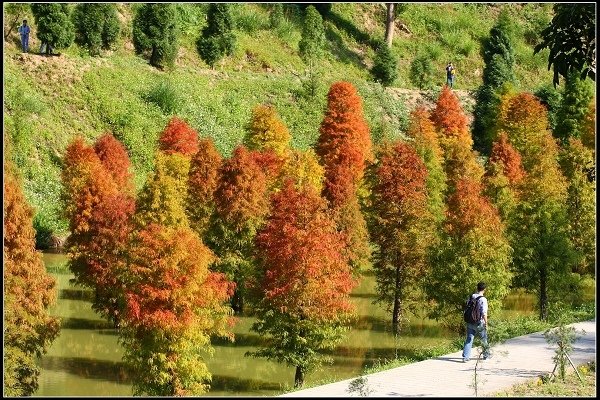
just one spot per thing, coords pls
(450, 72)
(24, 32)
(479, 326)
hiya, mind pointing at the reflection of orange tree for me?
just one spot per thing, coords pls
(303, 282)
(28, 292)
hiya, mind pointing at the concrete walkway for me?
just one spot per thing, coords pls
(515, 361)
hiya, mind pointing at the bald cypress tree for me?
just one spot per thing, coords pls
(217, 39)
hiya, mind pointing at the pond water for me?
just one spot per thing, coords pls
(85, 359)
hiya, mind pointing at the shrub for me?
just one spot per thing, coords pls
(96, 26)
(276, 16)
(312, 42)
(155, 30)
(54, 26)
(385, 67)
(165, 96)
(217, 38)
(421, 72)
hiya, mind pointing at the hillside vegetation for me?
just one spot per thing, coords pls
(50, 100)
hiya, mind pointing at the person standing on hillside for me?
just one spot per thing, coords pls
(478, 324)
(450, 72)
(24, 32)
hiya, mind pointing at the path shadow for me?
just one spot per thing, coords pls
(86, 368)
(450, 359)
(521, 373)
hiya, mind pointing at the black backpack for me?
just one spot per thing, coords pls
(472, 311)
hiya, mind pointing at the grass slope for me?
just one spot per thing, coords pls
(48, 101)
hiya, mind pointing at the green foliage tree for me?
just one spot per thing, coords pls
(54, 26)
(155, 31)
(571, 38)
(276, 16)
(96, 26)
(576, 160)
(28, 292)
(217, 38)
(312, 42)
(575, 101)
(421, 71)
(552, 99)
(385, 66)
(498, 56)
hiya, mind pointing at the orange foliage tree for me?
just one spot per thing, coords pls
(427, 145)
(178, 137)
(543, 254)
(174, 304)
(401, 226)
(303, 281)
(504, 173)
(266, 131)
(474, 248)
(455, 139)
(28, 292)
(99, 205)
(202, 184)
(344, 147)
(241, 205)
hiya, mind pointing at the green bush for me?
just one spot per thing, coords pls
(385, 66)
(421, 72)
(552, 99)
(165, 96)
(96, 26)
(249, 21)
(276, 16)
(217, 38)
(155, 31)
(53, 24)
(312, 43)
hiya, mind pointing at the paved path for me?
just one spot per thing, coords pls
(515, 361)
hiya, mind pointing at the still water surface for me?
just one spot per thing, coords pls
(85, 359)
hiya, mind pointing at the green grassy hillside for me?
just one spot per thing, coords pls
(47, 101)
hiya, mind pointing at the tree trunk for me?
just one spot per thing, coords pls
(389, 24)
(397, 312)
(237, 300)
(299, 378)
(543, 294)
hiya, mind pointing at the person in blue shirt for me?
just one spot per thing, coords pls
(479, 328)
(24, 32)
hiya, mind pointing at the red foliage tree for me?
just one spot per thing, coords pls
(202, 184)
(304, 282)
(178, 137)
(241, 204)
(401, 227)
(344, 143)
(115, 159)
(455, 139)
(174, 304)
(99, 209)
(508, 158)
(28, 292)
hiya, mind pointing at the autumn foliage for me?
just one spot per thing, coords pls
(304, 169)
(508, 160)
(178, 137)
(174, 304)
(449, 117)
(28, 292)
(401, 226)
(202, 183)
(99, 206)
(266, 131)
(304, 281)
(344, 143)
